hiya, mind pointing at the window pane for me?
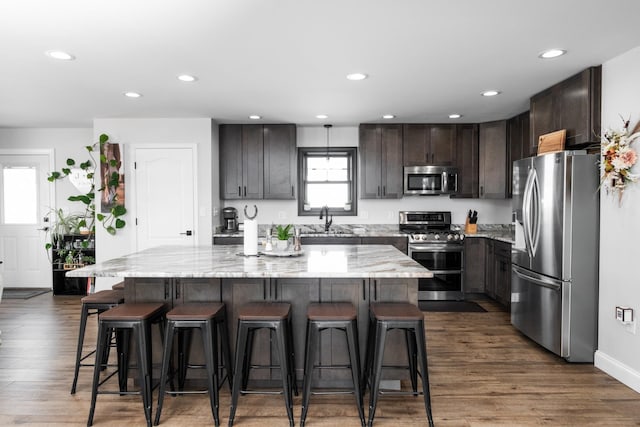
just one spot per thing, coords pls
(20, 194)
(332, 195)
(327, 169)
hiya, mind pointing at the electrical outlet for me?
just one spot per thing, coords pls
(282, 215)
(364, 214)
(630, 327)
(619, 314)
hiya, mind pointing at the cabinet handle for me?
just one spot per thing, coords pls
(384, 190)
(166, 289)
(177, 285)
(364, 290)
(245, 191)
(482, 190)
(239, 191)
(292, 192)
(264, 289)
(378, 191)
(375, 290)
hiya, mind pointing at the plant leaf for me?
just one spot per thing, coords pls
(71, 162)
(100, 217)
(104, 138)
(118, 210)
(111, 230)
(120, 223)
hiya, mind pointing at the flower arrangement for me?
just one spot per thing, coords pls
(618, 157)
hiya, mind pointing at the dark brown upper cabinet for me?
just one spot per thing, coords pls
(426, 144)
(257, 161)
(574, 105)
(380, 156)
(279, 161)
(467, 160)
(492, 176)
(519, 144)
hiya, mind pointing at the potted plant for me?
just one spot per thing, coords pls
(283, 234)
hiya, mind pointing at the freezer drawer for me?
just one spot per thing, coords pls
(537, 309)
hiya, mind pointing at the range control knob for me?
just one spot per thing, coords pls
(436, 236)
(461, 237)
(449, 236)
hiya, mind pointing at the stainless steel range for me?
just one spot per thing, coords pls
(438, 247)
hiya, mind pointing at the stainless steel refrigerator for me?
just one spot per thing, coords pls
(554, 286)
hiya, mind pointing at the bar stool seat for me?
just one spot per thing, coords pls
(93, 304)
(340, 316)
(407, 317)
(124, 319)
(210, 318)
(118, 286)
(277, 318)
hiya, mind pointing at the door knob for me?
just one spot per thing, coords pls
(43, 229)
(187, 233)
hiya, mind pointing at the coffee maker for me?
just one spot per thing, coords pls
(229, 220)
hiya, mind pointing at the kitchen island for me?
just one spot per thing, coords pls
(359, 274)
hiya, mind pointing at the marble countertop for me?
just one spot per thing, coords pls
(223, 261)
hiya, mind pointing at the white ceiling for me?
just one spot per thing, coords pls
(287, 59)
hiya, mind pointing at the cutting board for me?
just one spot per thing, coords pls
(552, 142)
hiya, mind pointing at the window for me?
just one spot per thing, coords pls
(327, 177)
(20, 195)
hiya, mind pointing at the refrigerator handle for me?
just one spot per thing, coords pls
(534, 236)
(526, 213)
(537, 279)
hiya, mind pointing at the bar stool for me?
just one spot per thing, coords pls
(93, 304)
(124, 319)
(118, 286)
(383, 318)
(341, 316)
(277, 318)
(210, 318)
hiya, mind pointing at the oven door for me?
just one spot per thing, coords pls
(446, 262)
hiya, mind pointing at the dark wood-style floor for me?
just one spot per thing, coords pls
(483, 373)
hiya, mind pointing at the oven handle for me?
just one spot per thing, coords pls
(446, 271)
(435, 248)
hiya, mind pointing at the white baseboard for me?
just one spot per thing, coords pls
(618, 370)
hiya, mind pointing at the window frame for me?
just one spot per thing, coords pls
(351, 153)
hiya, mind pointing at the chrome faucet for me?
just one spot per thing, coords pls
(327, 221)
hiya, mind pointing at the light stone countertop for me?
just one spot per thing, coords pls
(223, 261)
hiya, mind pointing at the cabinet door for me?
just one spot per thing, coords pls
(391, 165)
(502, 272)
(279, 161)
(228, 240)
(231, 162)
(197, 290)
(467, 161)
(398, 242)
(148, 290)
(574, 107)
(543, 117)
(474, 265)
(390, 290)
(370, 147)
(252, 161)
(333, 343)
(493, 160)
(235, 293)
(298, 292)
(489, 273)
(416, 143)
(443, 146)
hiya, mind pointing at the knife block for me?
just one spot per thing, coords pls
(470, 228)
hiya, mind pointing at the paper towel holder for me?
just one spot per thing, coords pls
(246, 215)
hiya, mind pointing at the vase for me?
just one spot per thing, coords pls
(282, 245)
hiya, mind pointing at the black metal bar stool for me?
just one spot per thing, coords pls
(124, 319)
(383, 318)
(210, 318)
(277, 318)
(341, 316)
(93, 304)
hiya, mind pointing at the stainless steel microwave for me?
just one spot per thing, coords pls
(430, 180)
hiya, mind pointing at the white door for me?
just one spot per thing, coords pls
(165, 196)
(24, 204)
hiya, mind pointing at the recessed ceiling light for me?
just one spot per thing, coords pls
(58, 54)
(187, 78)
(255, 117)
(490, 93)
(132, 94)
(357, 76)
(322, 116)
(455, 116)
(552, 53)
(388, 116)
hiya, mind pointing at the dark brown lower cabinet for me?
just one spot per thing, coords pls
(487, 268)
(474, 264)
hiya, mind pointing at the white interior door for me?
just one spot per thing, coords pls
(24, 204)
(165, 196)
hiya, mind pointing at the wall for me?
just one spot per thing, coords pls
(618, 348)
(67, 143)
(371, 211)
(133, 132)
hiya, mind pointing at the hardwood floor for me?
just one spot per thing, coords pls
(482, 372)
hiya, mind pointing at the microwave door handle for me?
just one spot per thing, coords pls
(445, 181)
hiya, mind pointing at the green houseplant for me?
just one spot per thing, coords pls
(283, 233)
